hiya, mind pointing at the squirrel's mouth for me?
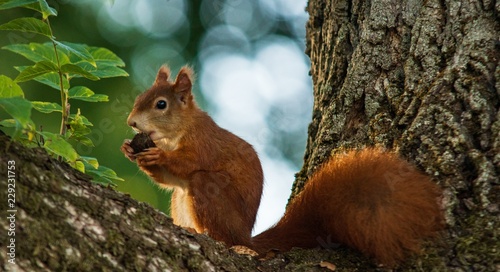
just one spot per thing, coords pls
(152, 134)
(136, 130)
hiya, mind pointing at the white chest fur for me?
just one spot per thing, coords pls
(181, 206)
(182, 210)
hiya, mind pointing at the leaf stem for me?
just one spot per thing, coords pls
(64, 95)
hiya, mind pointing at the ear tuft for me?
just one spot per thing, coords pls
(162, 76)
(184, 80)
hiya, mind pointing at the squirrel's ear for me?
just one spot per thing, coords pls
(162, 76)
(183, 84)
(184, 80)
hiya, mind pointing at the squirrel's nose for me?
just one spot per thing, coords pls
(131, 122)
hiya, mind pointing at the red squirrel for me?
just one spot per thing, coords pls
(370, 200)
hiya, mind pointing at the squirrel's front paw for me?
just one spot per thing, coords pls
(128, 150)
(150, 156)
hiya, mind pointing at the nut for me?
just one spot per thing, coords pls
(140, 142)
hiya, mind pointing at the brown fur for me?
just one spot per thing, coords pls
(370, 200)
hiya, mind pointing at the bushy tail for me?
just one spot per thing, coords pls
(370, 200)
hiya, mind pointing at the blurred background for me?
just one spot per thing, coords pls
(252, 78)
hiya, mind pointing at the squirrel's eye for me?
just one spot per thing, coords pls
(161, 104)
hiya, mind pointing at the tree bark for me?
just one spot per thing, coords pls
(422, 78)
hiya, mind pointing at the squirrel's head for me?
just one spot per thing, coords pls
(165, 108)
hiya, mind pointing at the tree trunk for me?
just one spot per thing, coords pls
(422, 78)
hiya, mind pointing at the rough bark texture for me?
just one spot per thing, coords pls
(423, 78)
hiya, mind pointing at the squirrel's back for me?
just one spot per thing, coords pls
(370, 200)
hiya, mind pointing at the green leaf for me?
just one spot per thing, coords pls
(110, 71)
(39, 69)
(91, 161)
(8, 4)
(46, 107)
(79, 50)
(21, 133)
(8, 123)
(80, 166)
(26, 24)
(18, 128)
(103, 71)
(56, 144)
(85, 94)
(78, 130)
(38, 52)
(46, 10)
(42, 7)
(8, 88)
(51, 80)
(106, 63)
(103, 175)
(105, 56)
(73, 69)
(17, 107)
(81, 119)
(103, 171)
(83, 140)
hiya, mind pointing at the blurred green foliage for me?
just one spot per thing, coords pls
(56, 64)
(109, 126)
